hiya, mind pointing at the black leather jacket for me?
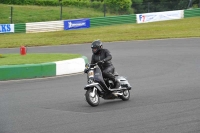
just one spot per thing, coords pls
(104, 55)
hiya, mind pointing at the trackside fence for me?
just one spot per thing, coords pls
(93, 22)
(192, 13)
(104, 21)
(20, 28)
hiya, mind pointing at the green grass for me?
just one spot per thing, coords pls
(183, 28)
(14, 59)
(25, 14)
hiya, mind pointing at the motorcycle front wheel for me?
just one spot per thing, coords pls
(92, 99)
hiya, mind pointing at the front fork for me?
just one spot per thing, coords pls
(94, 92)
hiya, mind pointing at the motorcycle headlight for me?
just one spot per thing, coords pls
(90, 74)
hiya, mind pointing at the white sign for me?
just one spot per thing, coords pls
(6, 28)
(159, 16)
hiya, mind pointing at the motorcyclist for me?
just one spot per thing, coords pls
(103, 57)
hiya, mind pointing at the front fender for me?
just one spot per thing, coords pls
(97, 85)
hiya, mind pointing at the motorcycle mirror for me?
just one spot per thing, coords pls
(87, 65)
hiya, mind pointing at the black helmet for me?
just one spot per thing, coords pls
(96, 46)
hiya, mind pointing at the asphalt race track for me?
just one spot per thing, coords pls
(164, 74)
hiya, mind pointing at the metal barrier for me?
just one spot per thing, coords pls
(103, 21)
(20, 28)
(94, 22)
(192, 13)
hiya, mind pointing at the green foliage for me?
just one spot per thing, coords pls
(159, 5)
(97, 0)
(31, 2)
(137, 1)
(46, 2)
(97, 5)
(119, 5)
(78, 3)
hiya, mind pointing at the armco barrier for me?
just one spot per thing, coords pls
(70, 66)
(192, 13)
(111, 20)
(27, 71)
(20, 28)
(36, 27)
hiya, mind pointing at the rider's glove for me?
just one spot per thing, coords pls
(101, 61)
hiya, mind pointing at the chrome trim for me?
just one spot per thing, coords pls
(117, 94)
(117, 89)
(97, 85)
(93, 84)
(94, 92)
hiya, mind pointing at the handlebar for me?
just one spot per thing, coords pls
(97, 63)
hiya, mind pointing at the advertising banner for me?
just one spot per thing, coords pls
(76, 24)
(6, 28)
(159, 16)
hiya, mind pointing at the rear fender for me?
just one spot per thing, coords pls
(124, 82)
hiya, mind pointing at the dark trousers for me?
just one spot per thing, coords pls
(108, 72)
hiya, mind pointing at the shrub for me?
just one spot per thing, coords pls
(97, 5)
(78, 3)
(119, 5)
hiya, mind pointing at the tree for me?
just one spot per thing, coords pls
(120, 6)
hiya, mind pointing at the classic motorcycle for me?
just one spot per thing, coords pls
(103, 87)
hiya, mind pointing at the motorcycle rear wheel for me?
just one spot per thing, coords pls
(126, 95)
(93, 101)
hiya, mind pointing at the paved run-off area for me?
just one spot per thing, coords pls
(165, 97)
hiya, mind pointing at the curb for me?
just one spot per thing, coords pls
(28, 71)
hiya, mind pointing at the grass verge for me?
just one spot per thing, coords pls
(14, 59)
(28, 13)
(183, 28)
